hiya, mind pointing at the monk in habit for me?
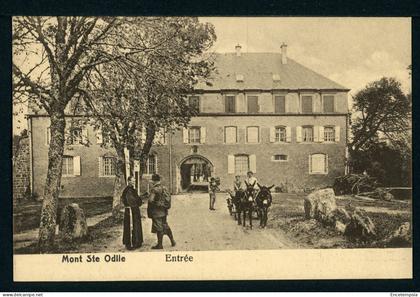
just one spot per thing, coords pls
(133, 233)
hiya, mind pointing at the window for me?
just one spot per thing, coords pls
(68, 168)
(241, 164)
(328, 103)
(252, 135)
(75, 136)
(253, 104)
(194, 103)
(279, 104)
(230, 104)
(306, 104)
(329, 134)
(230, 135)
(280, 157)
(307, 134)
(108, 166)
(318, 164)
(280, 134)
(194, 135)
(151, 164)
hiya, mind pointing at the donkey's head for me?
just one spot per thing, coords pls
(264, 190)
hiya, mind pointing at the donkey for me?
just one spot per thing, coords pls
(263, 201)
(247, 205)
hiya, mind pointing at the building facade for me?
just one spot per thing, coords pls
(262, 112)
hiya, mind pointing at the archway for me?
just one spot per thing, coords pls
(195, 172)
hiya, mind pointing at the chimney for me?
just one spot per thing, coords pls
(238, 50)
(283, 53)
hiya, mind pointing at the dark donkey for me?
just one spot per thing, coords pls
(239, 200)
(263, 201)
(247, 204)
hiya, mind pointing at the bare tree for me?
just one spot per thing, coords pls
(52, 57)
(145, 95)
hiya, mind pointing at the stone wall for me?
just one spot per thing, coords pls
(21, 170)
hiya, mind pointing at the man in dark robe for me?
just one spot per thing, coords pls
(133, 233)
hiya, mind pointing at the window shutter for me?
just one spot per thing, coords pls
(85, 138)
(316, 133)
(288, 134)
(298, 134)
(185, 135)
(321, 134)
(100, 173)
(337, 133)
(76, 165)
(99, 137)
(143, 135)
(231, 164)
(272, 134)
(202, 134)
(48, 136)
(253, 163)
(310, 163)
(164, 136)
(156, 164)
(326, 163)
(67, 136)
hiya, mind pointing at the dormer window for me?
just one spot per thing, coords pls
(276, 77)
(239, 78)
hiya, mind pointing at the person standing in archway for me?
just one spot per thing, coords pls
(213, 188)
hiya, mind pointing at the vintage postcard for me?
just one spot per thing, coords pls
(211, 148)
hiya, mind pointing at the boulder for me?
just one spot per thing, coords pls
(342, 215)
(320, 205)
(72, 222)
(340, 227)
(401, 237)
(360, 226)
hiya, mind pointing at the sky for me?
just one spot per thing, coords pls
(350, 51)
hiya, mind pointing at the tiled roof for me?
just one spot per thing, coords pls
(258, 70)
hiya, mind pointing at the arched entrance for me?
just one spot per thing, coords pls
(194, 173)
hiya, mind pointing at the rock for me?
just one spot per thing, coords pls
(360, 226)
(72, 222)
(340, 214)
(387, 196)
(401, 237)
(320, 205)
(340, 227)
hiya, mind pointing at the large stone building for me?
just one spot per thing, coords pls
(263, 112)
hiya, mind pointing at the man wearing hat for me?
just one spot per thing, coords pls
(157, 210)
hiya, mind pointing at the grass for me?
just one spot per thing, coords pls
(97, 237)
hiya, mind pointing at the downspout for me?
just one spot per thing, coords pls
(170, 162)
(31, 167)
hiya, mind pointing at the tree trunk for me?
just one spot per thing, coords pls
(52, 183)
(119, 183)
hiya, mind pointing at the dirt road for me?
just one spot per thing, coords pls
(196, 228)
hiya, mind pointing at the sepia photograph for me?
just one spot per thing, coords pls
(166, 136)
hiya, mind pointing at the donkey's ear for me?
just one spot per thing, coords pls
(259, 186)
(270, 187)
